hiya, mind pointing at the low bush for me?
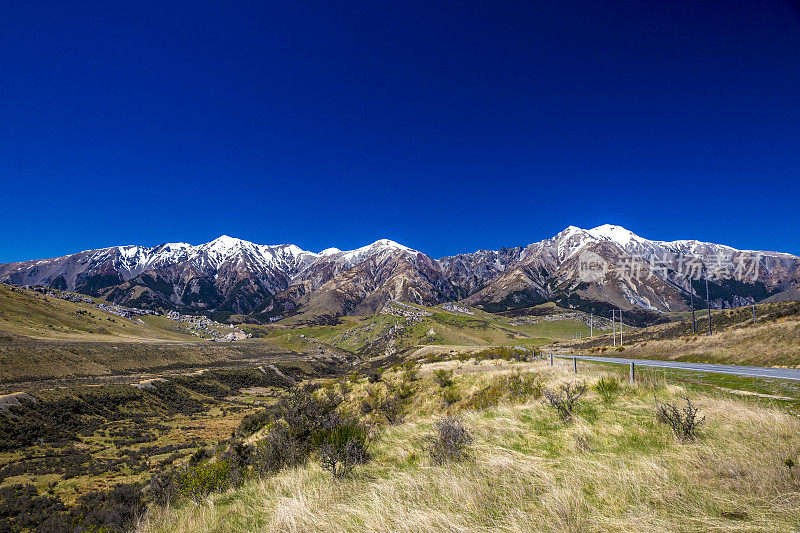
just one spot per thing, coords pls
(114, 510)
(410, 372)
(443, 377)
(684, 422)
(276, 451)
(196, 482)
(520, 387)
(449, 442)
(564, 399)
(343, 447)
(500, 352)
(516, 387)
(449, 396)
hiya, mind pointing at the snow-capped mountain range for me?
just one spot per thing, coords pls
(603, 267)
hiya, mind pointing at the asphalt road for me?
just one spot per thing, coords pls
(750, 371)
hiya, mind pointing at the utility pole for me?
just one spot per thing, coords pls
(620, 327)
(613, 327)
(691, 296)
(708, 304)
(591, 323)
(754, 314)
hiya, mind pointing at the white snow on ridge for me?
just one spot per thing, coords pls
(133, 260)
(616, 234)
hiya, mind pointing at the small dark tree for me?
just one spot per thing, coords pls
(684, 422)
(564, 399)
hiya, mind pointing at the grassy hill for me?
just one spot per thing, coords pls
(434, 326)
(42, 337)
(31, 314)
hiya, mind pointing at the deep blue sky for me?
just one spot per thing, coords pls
(447, 126)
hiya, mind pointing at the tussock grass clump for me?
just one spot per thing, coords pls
(449, 442)
(608, 388)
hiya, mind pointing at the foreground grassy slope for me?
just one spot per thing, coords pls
(612, 468)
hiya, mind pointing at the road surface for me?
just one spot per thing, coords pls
(749, 371)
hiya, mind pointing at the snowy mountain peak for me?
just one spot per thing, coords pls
(616, 234)
(224, 242)
(388, 243)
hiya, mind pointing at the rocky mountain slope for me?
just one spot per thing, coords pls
(594, 269)
(609, 266)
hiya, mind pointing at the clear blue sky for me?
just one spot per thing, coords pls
(447, 126)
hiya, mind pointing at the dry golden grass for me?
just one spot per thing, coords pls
(613, 468)
(774, 343)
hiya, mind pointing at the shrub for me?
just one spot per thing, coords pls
(684, 422)
(276, 451)
(450, 441)
(517, 387)
(343, 447)
(442, 377)
(488, 396)
(564, 399)
(199, 456)
(304, 414)
(522, 386)
(450, 396)
(115, 510)
(404, 391)
(238, 455)
(252, 422)
(501, 352)
(390, 406)
(607, 387)
(162, 489)
(22, 508)
(410, 372)
(197, 482)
